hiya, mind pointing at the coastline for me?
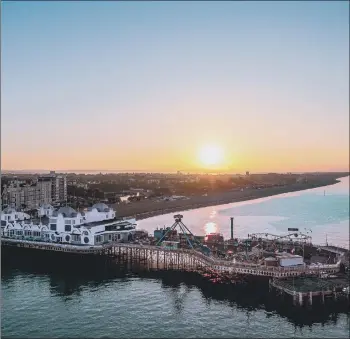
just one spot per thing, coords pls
(147, 209)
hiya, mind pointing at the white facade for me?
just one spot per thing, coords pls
(93, 227)
(45, 210)
(11, 215)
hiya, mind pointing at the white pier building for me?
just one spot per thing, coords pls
(98, 225)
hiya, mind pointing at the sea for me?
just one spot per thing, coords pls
(113, 301)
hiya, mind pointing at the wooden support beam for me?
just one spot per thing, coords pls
(310, 298)
(300, 299)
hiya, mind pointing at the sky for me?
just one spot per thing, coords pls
(149, 85)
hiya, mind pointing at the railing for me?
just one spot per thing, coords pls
(210, 261)
(38, 243)
(342, 247)
(338, 249)
(286, 289)
(215, 262)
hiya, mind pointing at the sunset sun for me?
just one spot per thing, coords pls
(211, 155)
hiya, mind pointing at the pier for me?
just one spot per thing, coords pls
(182, 259)
(305, 289)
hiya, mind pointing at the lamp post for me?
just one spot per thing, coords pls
(308, 231)
(232, 218)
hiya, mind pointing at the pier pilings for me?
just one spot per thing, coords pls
(308, 288)
(176, 259)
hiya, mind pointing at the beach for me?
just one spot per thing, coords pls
(146, 209)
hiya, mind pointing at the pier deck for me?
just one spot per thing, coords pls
(309, 287)
(335, 250)
(309, 284)
(175, 259)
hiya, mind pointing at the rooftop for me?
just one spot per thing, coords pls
(287, 256)
(8, 210)
(101, 207)
(104, 222)
(66, 211)
(45, 207)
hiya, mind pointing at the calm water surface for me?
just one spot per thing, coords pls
(42, 301)
(325, 215)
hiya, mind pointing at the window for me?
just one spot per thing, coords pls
(106, 216)
(67, 222)
(76, 238)
(19, 232)
(68, 228)
(109, 236)
(73, 222)
(53, 227)
(52, 221)
(28, 233)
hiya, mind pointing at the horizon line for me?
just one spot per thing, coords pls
(30, 171)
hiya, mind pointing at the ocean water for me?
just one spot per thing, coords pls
(61, 301)
(322, 213)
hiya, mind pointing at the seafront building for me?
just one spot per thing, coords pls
(10, 215)
(47, 189)
(58, 186)
(95, 226)
(26, 196)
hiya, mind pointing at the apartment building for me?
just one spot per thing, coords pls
(58, 186)
(26, 196)
(46, 189)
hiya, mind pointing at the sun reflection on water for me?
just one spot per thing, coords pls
(210, 227)
(212, 214)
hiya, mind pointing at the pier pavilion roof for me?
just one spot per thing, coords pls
(101, 207)
(8, 210)
(46, 206)
(67, 212)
